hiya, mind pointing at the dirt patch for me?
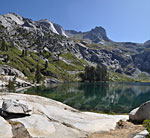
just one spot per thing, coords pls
(123, 130)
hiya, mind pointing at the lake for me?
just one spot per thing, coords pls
(97, 97)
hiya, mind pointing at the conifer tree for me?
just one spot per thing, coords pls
(38, 75)
(46, 64)
(23, 53)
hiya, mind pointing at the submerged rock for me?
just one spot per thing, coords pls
(16, 107)
(141, 113)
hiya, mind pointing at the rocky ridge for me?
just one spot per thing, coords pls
(11, 20)
(94, 47)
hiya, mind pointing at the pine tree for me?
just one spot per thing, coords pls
(26, 52)
(4, 46)
(12, 45)
(6, 58)
(92, 74)
(38, 75)
(98, 73)
(46, 64)
(11, 86)
(23, 53)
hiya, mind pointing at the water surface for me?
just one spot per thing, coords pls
(103, 97)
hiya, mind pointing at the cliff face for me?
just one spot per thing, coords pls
(92, 47)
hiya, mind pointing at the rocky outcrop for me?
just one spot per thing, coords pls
(114, 60)
(142, 61)
(141, 113)
(7, 70)
(60, 30)
(9, 73)
(147, 44)
(16, 107)
(52, 119)
(48, 25)
(10, 20)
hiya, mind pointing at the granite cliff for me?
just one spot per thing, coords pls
(67, 52)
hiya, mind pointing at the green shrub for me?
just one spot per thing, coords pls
(146, 124)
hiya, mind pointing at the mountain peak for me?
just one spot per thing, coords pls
(10, 19)
(14, 14)
(96, 35)
(99, 29)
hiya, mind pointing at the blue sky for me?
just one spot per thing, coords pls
(124, 20)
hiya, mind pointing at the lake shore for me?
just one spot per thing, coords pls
(127, 130)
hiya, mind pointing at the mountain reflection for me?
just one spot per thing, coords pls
(105, 97)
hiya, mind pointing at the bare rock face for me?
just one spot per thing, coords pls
(60, 30)
(10, 20)
(16, 107)
(52, 119)
(141, 113)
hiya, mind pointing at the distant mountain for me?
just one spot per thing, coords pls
(72, 33)
(96, 35)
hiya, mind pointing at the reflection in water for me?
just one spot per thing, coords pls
(106, 97)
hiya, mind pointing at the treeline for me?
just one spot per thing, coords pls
(92, 74)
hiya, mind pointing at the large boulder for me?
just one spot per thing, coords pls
(52, 119)
(142, 134)
(141, 113)
(16, 107)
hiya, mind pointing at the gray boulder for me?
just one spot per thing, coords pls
(16, 107)
(142, 134)
(141, 113)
